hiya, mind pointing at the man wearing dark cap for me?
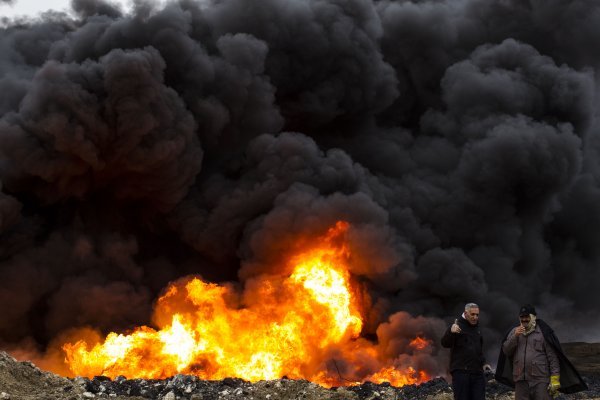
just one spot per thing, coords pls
(536, 367)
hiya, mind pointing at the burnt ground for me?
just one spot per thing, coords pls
(24, 381)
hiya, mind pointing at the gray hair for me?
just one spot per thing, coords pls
(469, 306)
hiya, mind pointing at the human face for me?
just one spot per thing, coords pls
(525, 319)
(472, 315)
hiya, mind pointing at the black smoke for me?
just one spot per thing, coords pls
(458, 138)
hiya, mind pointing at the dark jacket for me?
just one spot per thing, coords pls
(570, 380)
(466, 347)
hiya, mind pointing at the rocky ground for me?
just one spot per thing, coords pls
(24, 381)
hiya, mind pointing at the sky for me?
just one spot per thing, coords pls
(35, 7)
(31, 7)
(459, 139)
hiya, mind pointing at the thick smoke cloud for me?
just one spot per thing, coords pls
(459, 140)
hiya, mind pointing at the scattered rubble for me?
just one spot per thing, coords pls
(24, 381)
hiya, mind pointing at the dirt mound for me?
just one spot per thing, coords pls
(24, 381)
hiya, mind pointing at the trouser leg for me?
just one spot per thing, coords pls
(522, 390)
(460, 385)
(477, 385)
(539, 391)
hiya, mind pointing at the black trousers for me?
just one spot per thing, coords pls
(468, 385)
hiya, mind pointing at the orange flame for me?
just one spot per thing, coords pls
(290, 325)
(408, 376)
(419, 343)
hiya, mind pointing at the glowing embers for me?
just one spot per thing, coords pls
(289, 324)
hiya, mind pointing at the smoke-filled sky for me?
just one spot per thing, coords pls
(33, 8)
(459, 139)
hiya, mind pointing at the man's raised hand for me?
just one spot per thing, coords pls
(455, 328)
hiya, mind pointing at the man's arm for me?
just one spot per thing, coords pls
(553, 362)
(448, 338)
(450, 335)
(486, 366)
(554, 366)
(510, 344)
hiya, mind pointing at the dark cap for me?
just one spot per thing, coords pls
(526, 310)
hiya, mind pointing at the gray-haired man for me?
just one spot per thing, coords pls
(465, 342)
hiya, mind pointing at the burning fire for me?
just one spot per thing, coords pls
(419, 343)
(303, 325)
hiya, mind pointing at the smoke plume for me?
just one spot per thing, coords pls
(459, 139)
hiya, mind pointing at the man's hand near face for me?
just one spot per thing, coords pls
(521, 329)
